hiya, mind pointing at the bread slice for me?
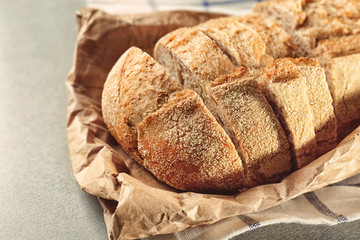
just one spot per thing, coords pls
(184, 146)
(308, 22)
(192, 58)
(135, 87)
(320, 101)
(341, 59)
(286, 91)
(256, 132)
(243, 45)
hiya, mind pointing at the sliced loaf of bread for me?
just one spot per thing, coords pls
(245, 119)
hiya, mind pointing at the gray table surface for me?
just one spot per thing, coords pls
(39, 197)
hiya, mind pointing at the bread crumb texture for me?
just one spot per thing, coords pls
(185, 147)
(321, 104)
(341, 58)
(256, 131)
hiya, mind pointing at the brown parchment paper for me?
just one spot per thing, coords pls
(135, 203)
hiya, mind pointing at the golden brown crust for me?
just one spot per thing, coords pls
(303, 61)
(278, 42)
(193, 58)
(280, 70)
(197, 52)
(242, 44)
(337, 47)
(254, 128)
(135, 87)
(186, 148)
(238, 73)
(291, 10)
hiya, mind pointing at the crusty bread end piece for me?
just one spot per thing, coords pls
(184, 146)
(135, 87)
(286, 91)
(251, 123)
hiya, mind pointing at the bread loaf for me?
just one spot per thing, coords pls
(224, 106)
(308, 22)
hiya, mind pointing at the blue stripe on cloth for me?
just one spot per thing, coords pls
(350, 182)
(322, 208)
(252, 223)
(345, 185)
(152, 4)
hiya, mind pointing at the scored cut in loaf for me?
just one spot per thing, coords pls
(136, 86)
(243, 45)
(286, 91)
(185, 147)
(192, 58)
(251, 123)
(250, 40)
(277, 41)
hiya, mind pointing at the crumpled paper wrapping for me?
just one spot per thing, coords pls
(135, 203)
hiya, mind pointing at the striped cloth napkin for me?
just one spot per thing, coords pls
(331, 205)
